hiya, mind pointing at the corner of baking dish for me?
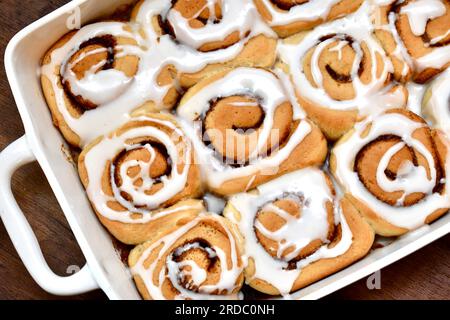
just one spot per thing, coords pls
(22, 60)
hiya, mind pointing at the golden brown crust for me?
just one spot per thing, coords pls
(312, 151)
(367, 162)
(363, 238)
(339, 10)
(77, 105)
(259, 52)
(337, 84)
(210, 233)
(182, 203)
(416, 46)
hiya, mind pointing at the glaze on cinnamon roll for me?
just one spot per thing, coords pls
(287, 17)
(92, 78)
(416, 35)
(247, 129)
(140, 179)
(341, 73)
(199, 261)
(296, 231)
(225, 34)
(436, 102)
(394, 169)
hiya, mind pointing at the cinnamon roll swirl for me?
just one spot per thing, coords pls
(140, 179)
(224, 34)
(394, 169)
(287, 17)
(341, 73)
(247, 130)
(416, 35)
(296, 231)
(92, 78)
(200, 260)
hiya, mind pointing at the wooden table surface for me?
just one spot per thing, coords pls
(422, 275)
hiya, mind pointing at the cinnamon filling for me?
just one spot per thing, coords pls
(159, 168)
(233, 125)
(198, 15)
(200, 252)
(368, 159)
(106, 42)
(287, 4)
(293, 205)
(435, 29)
(341, 78)
(336, 63)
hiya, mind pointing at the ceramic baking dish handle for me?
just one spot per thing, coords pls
(23, 237)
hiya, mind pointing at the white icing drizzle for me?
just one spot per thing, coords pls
(228, 276)
(422, 10)
(401, 53)
(118, 95)
(439, 38)
(339, 47)
(308, 11)
(109, 116)
(237, 15)
(373, 97)
(419, 12)
(438, 106)
(106, 150)
(415, 96)
(214, 203)
(383, 2)
(411, 179)
(297, 232)
(241, 81)
(111, 83)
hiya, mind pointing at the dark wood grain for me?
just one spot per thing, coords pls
(423, 275)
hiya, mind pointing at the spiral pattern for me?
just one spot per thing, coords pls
(293, 223)
(217, 34)
(140, 176)
(288, 17)
(200, 260)
(416, 35)
(91, 77)
(394, 170)
(247, 131)
(341, 74)
(205, 25)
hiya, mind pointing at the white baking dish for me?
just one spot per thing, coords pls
(43, 142)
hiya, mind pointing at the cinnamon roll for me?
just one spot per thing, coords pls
(296, 231)
(95, 77)
(141, 178)
(200, 260)
(287, 17)
(214, 34)
(436, 102)
(416, 35)
(341, 73)
(394, 169)
(247, 129)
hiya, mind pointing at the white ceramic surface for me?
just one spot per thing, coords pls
(43, 143)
